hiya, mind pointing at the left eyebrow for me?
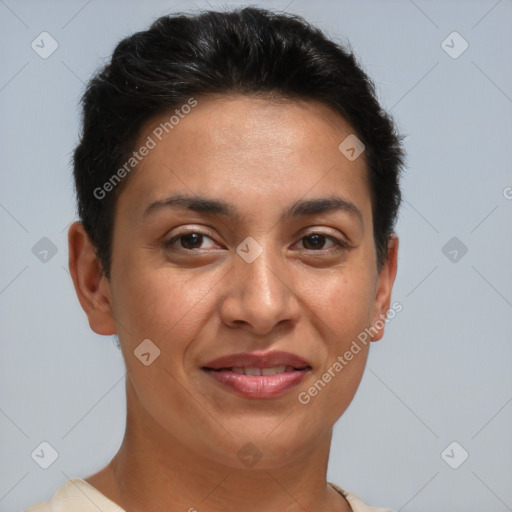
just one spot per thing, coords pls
(211, 206)
(323, 205)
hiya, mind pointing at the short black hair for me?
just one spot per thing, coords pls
(250, 51)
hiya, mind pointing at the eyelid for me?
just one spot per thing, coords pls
(332, 233)
(339, 243)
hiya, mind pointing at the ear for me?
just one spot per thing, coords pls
(384, 287)
(91, 285)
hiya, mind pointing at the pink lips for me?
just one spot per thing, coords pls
(253, 375)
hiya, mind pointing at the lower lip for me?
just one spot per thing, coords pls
(258, 386)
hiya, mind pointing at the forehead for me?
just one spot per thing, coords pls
(236, 146)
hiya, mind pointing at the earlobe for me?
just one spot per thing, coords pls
(384, 288)
(91, 285)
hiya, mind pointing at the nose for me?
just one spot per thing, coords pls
(260, 295)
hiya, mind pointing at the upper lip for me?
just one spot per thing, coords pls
(255, 360)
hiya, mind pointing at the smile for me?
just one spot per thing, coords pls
(258, 376)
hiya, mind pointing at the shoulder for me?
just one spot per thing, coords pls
(40, 507)
(77, 495)
(356, 503)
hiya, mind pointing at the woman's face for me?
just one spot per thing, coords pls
(251, 264)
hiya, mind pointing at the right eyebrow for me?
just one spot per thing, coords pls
(194, 203)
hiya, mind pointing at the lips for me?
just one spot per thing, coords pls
(253, 375)
(255, 360)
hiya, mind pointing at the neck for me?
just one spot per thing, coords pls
(152, 471)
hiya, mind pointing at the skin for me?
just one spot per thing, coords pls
(184, 430)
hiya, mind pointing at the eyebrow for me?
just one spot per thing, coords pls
(218, 207)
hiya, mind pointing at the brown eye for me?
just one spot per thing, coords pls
(189, 242)
(314, 241)
(318, 241)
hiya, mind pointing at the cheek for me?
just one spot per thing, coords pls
(342, 302)
(164, 305)
(342, 306)
(343, 311)
(332, 392)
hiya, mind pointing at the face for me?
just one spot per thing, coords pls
(243, 250)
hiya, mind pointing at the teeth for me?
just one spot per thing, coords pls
(261, 371)
(252, 371)
(273, 371)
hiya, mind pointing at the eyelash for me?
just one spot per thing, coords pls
(340, 244)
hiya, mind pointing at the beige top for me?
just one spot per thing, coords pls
(77, 495)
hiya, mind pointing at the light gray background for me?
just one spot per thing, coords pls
(442, 371)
